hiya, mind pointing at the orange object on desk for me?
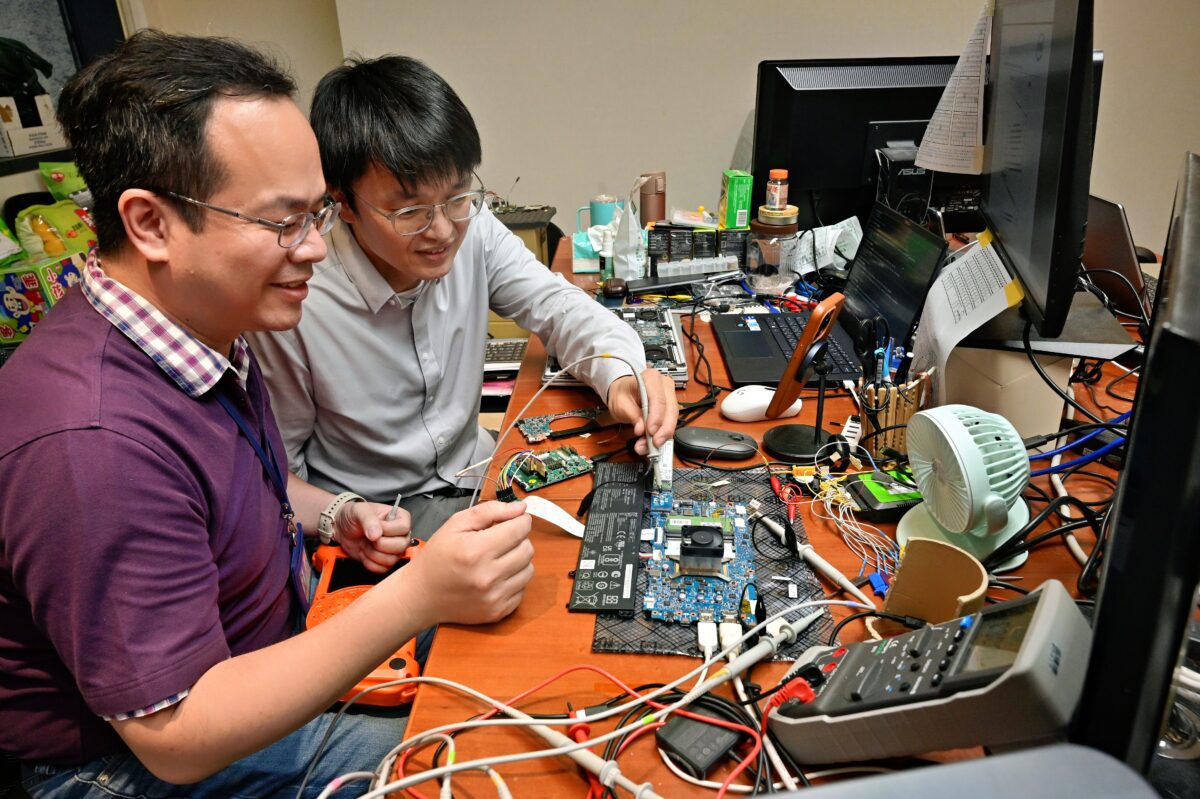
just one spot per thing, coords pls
(344, 580)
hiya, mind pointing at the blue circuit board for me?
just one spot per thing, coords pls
(688, 582)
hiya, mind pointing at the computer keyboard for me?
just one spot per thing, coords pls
(503, 355)
(787, 328)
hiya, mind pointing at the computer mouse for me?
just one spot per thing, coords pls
(749, 404)
(615, 287)
(711, 443)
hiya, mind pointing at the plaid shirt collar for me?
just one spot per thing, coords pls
(191, 363)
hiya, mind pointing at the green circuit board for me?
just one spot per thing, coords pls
(547, 468)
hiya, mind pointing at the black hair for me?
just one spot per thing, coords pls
(396, 112)
(136, 118)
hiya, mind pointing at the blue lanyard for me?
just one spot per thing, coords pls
(299, 563)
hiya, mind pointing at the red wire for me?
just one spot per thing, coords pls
(403, 759)
(746, 761)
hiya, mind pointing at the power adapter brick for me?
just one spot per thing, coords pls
(696, 746)
(1115, 458)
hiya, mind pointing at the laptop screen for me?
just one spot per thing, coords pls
(891, 273)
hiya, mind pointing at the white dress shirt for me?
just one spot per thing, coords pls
(377, 392)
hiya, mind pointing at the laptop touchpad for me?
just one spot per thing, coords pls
(747, 345)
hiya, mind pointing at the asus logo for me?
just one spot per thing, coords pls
(911, 171)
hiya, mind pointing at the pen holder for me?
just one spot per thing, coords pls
(888, 408)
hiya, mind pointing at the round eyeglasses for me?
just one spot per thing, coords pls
(417, 218)
(292, 229)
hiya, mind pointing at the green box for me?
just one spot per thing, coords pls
(28, 291)
(734, 209)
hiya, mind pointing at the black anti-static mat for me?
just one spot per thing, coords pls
(641, 634)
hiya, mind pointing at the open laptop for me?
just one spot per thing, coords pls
(890, 277)
(1108, 245)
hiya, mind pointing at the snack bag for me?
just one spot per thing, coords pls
(10, 248)
(65, 183)
(50, 231)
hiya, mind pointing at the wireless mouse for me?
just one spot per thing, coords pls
(709, 443)
(749, 404)
(615, 287)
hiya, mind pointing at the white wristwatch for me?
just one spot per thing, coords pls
(325, 522)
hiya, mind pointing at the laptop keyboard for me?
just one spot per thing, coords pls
(503, 356)
(787, 328)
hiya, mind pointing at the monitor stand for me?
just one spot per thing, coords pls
(802, 443)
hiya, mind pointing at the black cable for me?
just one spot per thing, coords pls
(1046, 438)
(1104, 478)
(1108, 389)
(1037, 367)
(1043, 494)
(1017, 543)
(706, 465)
(708, 704)
(1141, 314)
(908, 621)
(1088, 581)
(789, 761)
(758, 547)
(878, 431)
(1007, 586)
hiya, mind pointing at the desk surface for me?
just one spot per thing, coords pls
(542, 639)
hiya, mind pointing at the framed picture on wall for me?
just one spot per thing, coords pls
(43, 43)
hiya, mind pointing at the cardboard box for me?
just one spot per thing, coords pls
(57, 275)
(1003, 382)
(22, 303)
(16, 140)
(29, 291)
(734, 208)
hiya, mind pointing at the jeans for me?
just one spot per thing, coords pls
(358, 744)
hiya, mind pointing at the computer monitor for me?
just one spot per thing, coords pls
(822, 120)
(1039, 148)
(1152, 558)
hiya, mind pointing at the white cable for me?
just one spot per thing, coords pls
(340, 780)
(652, 451)
(1060, 489)
(764, 648)
(1187, 677)
(1187, 693)
(772, 753)
(681, 774)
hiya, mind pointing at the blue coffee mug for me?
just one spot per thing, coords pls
(601, 210)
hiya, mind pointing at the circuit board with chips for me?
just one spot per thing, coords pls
(540, 428)
(541, 469)
(701, 565)
(661, 335)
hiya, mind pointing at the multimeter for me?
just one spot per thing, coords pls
(1009, 674)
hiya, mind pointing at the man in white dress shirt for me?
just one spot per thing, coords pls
(377, 390)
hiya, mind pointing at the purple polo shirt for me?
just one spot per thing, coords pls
(140, 540)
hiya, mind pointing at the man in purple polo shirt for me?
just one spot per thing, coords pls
(148, 570)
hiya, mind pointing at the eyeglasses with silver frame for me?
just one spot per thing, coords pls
(292, 229)
(416, 219)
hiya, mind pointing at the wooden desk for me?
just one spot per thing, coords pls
(541, 638)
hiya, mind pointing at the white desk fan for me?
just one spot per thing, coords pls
(971, 468)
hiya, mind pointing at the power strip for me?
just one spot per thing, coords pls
(852, 431)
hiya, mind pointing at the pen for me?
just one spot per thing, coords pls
(395, 507)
